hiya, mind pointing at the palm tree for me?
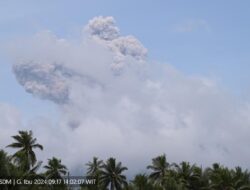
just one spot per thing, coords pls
(25, 156)
(10, 170)
(199, 179)
(186, 173)
(5, 170)
(111, 175)
(141, 182)
(4, 164)
(220, 177)
(241, 179)
(160, 168)
(55, 169)
(93, 170)
(94, 167)
(172, 181)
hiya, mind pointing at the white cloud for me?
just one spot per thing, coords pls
(10, 121)
(142, 111)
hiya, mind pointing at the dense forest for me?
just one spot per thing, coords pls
(109, 174)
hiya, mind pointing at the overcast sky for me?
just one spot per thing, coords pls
(129, 79)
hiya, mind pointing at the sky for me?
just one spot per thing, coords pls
(104, 76)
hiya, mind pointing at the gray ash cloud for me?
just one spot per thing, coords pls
(44, 80)
(104, 31)
(155, 106)
(51, 79)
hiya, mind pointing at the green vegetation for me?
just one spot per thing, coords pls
(109, 174)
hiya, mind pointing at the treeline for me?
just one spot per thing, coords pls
(109, 174)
